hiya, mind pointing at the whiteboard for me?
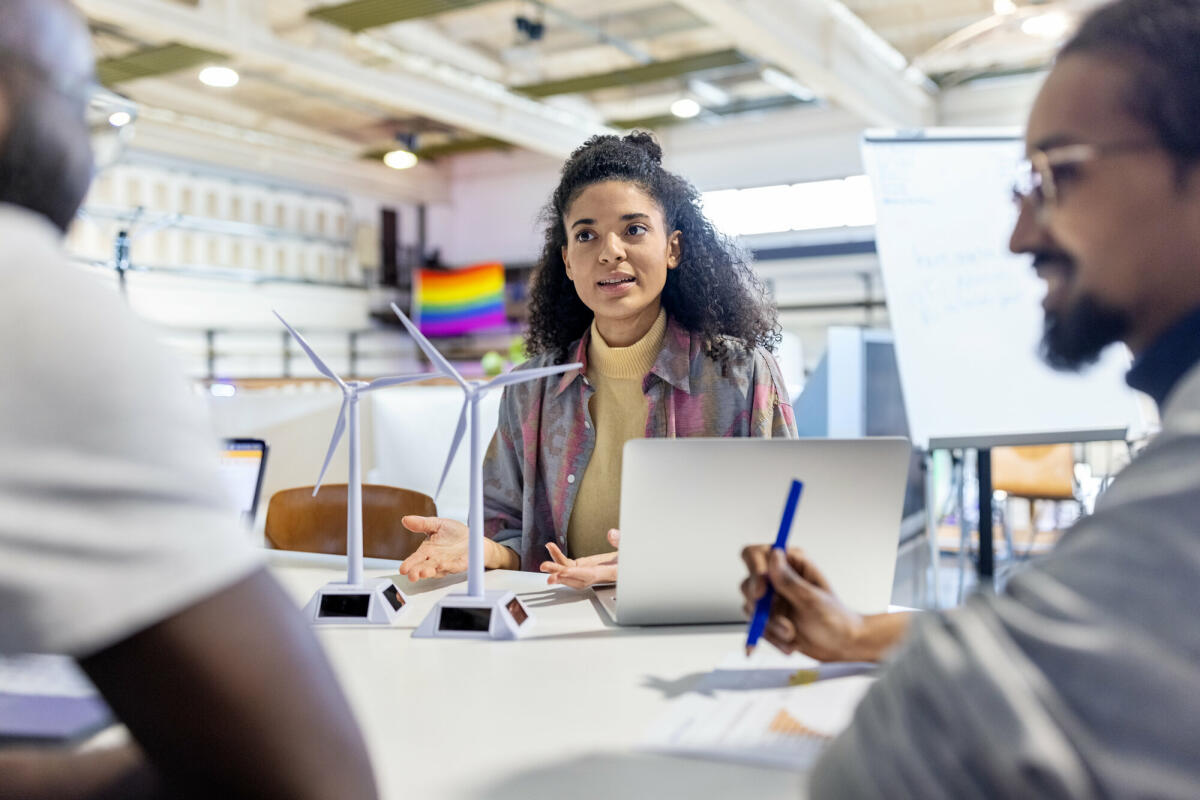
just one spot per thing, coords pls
(966, 313)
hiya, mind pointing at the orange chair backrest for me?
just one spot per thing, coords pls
(1044, 472)
(298, 521)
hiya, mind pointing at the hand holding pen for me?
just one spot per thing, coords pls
(807, 617)
(762, 610)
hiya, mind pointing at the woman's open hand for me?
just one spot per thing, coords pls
(580, 573)
(444, 551)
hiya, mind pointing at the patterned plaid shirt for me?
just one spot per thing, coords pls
(545, 437)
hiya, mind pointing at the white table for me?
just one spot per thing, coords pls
(554, 715)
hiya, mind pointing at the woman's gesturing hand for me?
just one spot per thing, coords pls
(580, 573)
(444, 551)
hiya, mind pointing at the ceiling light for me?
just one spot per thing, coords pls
(685, 108)
(400, 159)
(1051, 25)
(119, 119)
(219, 77)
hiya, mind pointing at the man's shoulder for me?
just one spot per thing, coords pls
(1182, 411)
(43, 289)
(70, 319)
(1146, 517)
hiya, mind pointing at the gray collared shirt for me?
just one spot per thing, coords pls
(1081, 680)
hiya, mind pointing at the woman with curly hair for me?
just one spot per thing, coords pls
(674, 331)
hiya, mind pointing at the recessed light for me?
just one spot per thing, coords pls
(400, 159)
(219, 77)
(120, 119)
(685, 108)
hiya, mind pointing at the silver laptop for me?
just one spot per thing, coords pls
(689, 506)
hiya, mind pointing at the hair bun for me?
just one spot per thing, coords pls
(645, 141)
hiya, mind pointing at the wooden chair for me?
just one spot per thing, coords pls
(298, 521)
(1041, 473)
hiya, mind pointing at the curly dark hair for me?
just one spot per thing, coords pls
(1160, 41)
(712, 292)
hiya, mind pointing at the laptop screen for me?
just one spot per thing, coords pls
(243, 462)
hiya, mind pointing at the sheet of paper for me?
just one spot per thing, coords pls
(746, 710)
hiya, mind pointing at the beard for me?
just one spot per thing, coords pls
(1075, 337)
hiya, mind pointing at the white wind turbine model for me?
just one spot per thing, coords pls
(374, 602)
(478, 614)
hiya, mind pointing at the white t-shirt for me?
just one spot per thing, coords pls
(112, 516)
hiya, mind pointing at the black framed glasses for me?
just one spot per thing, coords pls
(1038, 178)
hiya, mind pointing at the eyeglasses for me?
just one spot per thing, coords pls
(1038, 178)
(110, 118)
(107, 114)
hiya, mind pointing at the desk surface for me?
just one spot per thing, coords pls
(556, 714)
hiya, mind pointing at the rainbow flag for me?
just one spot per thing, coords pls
(459, 301)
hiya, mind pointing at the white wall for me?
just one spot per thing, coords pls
(492, 213)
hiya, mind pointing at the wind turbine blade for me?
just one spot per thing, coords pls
(458, 436)
(380, 383)
(430, 351)
(324, 370)
(522, 375)
(338, 430)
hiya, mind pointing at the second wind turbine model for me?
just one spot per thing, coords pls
(478, 614)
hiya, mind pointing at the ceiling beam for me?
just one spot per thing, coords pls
(150, 61)
(360, 15)
(727, 109)
(831, 51)
(288, 159)
(414, 85)
(647, 73)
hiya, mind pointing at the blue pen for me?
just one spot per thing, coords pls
(763, 610)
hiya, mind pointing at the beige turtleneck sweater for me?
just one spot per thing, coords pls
(618, 409)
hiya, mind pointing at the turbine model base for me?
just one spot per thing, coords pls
(376, 602)
(496, 615)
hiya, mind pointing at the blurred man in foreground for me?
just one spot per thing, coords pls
(116, 543)
(1083, 678)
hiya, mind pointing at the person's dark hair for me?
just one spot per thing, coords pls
(712, 292)
(1160, 40)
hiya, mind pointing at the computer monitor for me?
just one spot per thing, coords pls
(855, 391)
(243, 463)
